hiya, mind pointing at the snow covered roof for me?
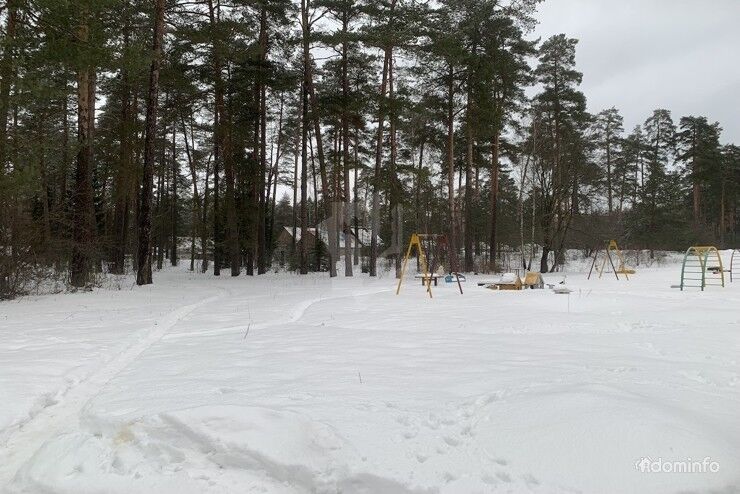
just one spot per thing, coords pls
(508, 278)
(298, 232)
(364, 235)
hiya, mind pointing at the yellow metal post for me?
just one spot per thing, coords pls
(406, 261)
(416, 241)
(622, 268)
(603, 264)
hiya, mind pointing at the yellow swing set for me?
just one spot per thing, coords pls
(611, 247)
(437, 245)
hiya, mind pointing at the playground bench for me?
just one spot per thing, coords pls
(425, 278)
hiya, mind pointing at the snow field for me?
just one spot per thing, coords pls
(283, 384)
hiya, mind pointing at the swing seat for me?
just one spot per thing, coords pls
(451, 278)
(626, 271)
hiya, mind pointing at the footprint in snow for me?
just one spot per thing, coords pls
(696, 377)
(488, 479)
(449, 477)
(530, 480)
(410, 434)
(403, 420)
(452, 441)
(432, 422)
(466, 431)
(503, 476)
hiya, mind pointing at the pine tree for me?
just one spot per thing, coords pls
(608, 128)
(660, 134)
(144, 274)
(699, 150)
(81, 264)
(561, 114)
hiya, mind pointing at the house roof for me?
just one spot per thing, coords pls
(298, 232)
(364, 235)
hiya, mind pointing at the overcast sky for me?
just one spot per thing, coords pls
(638, 55)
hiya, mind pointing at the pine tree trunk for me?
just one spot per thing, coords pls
(144, 272)
(721, 222)
(468, 232)
(275, 175)
(494, 198)
(356, 201)
(345, 151)
(450, 157)
(296, 178)
(173, 200)
(82, 246)
(375, 227)
(303, 263)
(395, 199)
(60, 204)
(695, 186)
(219, 153)
(122, 185)
(315, 216)
(325, 193)
(204, 221)
(159, 223)
(198, 206)
(6, 73)
(225, 152)
(609, 192)
(262, 103)
(45, 213)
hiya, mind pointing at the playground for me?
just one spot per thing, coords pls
(282, 384)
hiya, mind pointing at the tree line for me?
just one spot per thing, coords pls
(134, 133)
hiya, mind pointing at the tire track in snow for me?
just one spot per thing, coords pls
(49, 422)
(299, 310)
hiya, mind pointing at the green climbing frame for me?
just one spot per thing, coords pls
(734, 265)
(702, 267)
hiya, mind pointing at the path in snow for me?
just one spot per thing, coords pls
(48, 422)
(61, 414)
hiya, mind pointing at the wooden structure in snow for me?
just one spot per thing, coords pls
(533, 279)
(508, 281)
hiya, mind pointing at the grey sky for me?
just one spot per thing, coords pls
(639, 55)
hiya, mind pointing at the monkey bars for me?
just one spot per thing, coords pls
(734, 264)
(702, 267)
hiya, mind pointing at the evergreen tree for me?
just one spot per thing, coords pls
(561, 113)
(608, 128)
(699, 151)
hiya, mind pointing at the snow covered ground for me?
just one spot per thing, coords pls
(283, 384)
